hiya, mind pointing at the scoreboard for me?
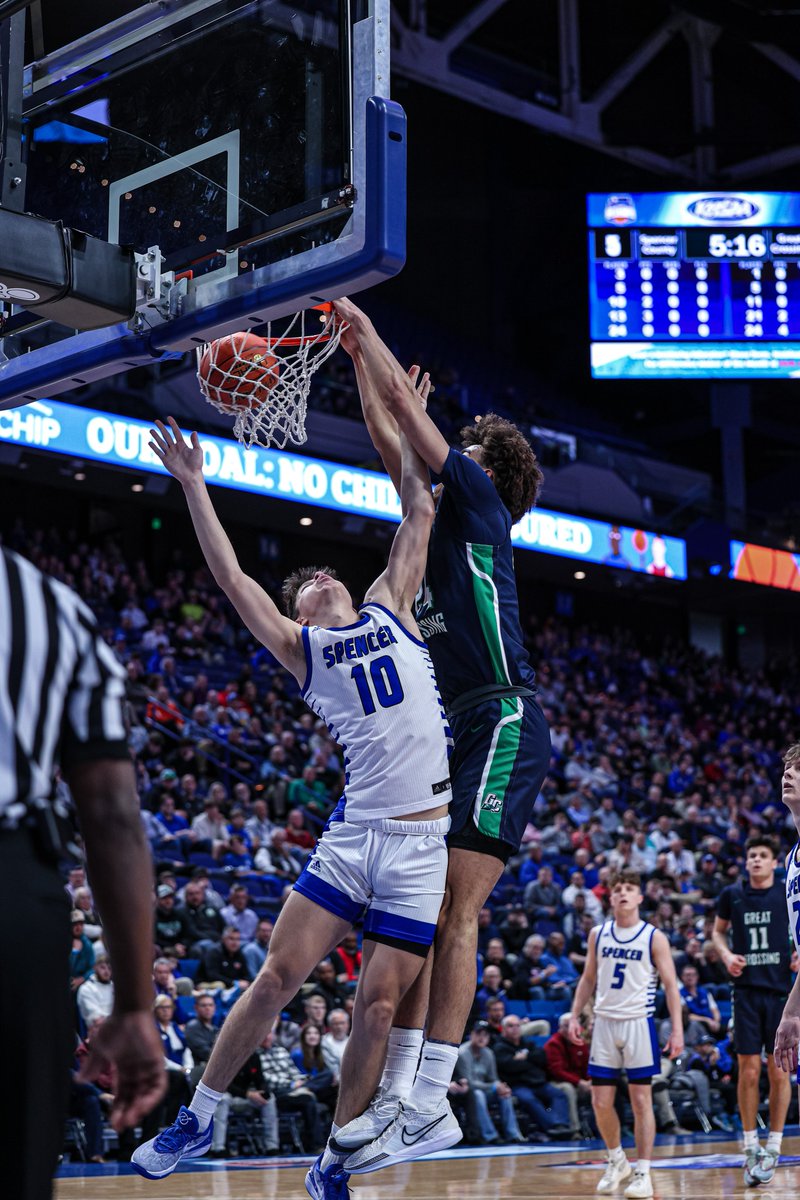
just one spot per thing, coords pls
(694, 285)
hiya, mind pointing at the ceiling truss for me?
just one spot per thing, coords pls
(419, 56)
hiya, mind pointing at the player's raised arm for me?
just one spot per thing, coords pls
(399, 583)
(586, 985)
(664, 964)
(258, 611)
(388, 381)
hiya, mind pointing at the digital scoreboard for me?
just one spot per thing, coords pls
(702, 285)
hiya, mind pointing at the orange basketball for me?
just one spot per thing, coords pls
(239, 369)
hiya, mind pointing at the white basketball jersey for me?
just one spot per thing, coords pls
(793, 895)
(626, 976)
(373, 685)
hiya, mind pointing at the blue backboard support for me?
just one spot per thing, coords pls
(258, 263)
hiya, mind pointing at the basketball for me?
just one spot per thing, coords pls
(238, 370)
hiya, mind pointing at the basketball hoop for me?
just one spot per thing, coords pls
(263, 382)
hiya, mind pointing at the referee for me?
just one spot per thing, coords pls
(753, 912)
(61, 694)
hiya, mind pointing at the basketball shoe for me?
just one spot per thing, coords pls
(764, 1169)
(382, 1110)
(183, 1139)
(327, 1185)
(617, 1169)
(752, 1161)
(640, 1187)
(410, 1135)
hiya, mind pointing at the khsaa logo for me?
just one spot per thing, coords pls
(620, 210)
(723, 208)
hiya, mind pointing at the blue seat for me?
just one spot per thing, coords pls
(198, 859)
(189, 967)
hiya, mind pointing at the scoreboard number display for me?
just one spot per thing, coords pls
(694, 285)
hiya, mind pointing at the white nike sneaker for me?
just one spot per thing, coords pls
(764, 1169)
(410, 1135)
(617, 1169)
(382, 1110)
(640, 1186)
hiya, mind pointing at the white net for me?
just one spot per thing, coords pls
(263, 383)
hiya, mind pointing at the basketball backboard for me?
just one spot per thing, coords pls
(246, 151)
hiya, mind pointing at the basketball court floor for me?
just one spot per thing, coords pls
(702, 1167)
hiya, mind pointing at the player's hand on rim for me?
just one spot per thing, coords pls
(182, 460)
(787, 1040)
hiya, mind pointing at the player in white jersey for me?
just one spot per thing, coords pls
(624, 958)
(383, 854)
(787, 1038)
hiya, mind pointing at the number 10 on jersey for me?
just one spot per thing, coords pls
(386, 686)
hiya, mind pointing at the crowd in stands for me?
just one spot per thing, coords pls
(663, 761)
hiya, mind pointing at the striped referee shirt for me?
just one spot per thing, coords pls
(61, 689)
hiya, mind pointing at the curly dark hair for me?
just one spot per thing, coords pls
(508, 454)
(763, 839)
(292, 584)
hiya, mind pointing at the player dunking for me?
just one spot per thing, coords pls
(468, 612)
(758, 958)
(787, 1039)
(623, 958)
(370, 678)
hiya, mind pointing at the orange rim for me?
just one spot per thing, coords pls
(276, 343)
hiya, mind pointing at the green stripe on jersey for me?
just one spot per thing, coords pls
(481, 564)
(499, 767)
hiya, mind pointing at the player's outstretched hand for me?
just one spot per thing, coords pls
(787, 1040)
(422, 385)
(184, 461)
(675, 1047)
(129, 1044)
(355, 320)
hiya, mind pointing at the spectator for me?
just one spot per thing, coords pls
(225, 963)
(96, 996)
(564, 977)
(531, 975)
(515, 929)
(346, 958)
(325, 984)
(92, 926)
(542, 897)
(277, 859)
(477, 1066)
(496, 956)
(250, 1092)
(81, 959)
(171, 932)
(308, 791)
(210, 826)
(178, 1061)
(308, 1058)
(700, 1003)
(238, 913)
(288, 1085)
(201, 1032)
(334, 1042)
(523, 1066)
(491, 988)
(577, 887)
(568, 1068)
(203, 923)
(255, 952)
(259, 825)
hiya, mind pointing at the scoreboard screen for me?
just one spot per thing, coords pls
(702, 285)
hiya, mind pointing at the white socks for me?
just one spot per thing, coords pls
(434, 1073)
(774, 1141)
(750, 1139)
(643, 1165)
(616, 1154)
(330, 1157)
(402, 1057)
(204, 1104)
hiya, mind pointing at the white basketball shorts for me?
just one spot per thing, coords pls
(631, 1046)
(392, 873)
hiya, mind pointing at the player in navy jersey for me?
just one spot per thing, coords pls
(383, 855)
(623, 959)
(468, 612)
(752, 913)
(787, 1039)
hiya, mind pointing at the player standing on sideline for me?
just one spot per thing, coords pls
(787, 1038)
(61, 704)
(469, 614)
(758, 960)
(623, 958)
(370, 678)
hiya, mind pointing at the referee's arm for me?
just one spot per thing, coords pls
(96, 764)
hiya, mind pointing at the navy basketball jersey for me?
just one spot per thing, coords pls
(626, 974)
(373, 685)
(467, 610)
(759, 932)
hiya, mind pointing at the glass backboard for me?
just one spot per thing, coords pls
(248, 153)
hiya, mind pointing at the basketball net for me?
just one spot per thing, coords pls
(273, 412)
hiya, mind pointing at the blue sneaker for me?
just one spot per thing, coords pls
(327, 1185)
(183, 1139)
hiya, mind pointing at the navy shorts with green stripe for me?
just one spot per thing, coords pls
(500, 758)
